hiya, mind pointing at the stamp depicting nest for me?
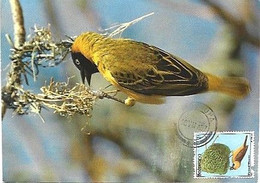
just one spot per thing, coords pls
(229, 155)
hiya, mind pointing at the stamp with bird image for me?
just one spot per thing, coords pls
(229, 155)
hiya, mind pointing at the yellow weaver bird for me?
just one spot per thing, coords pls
(238, 155)
(146, 73)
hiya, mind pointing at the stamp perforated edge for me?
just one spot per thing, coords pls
(252, 155)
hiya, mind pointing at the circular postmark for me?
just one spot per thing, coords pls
(200, 119)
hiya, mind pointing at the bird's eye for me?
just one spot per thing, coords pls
(77, 62)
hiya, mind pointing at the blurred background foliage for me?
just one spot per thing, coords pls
(139, 143)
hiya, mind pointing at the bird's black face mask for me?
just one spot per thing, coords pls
(86, 67)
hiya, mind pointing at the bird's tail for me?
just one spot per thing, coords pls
(245, 141)
(236, 87)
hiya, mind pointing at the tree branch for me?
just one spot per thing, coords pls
(238, 25)
(17, 14)
(14, 76)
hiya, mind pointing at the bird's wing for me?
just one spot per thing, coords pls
(240, 155)
(159, 73)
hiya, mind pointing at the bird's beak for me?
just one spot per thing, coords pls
(232, 167)
(84, 74)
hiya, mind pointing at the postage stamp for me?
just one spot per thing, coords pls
(197, 117)
(228, 155)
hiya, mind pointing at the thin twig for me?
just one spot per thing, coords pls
(120, 28)
(238, 25)
(101, 95)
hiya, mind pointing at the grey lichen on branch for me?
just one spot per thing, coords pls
(70, 101)
(14, 76)
(59, 96)
(41, 50)
(26, 58)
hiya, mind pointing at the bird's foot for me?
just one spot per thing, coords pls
(130, 101)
